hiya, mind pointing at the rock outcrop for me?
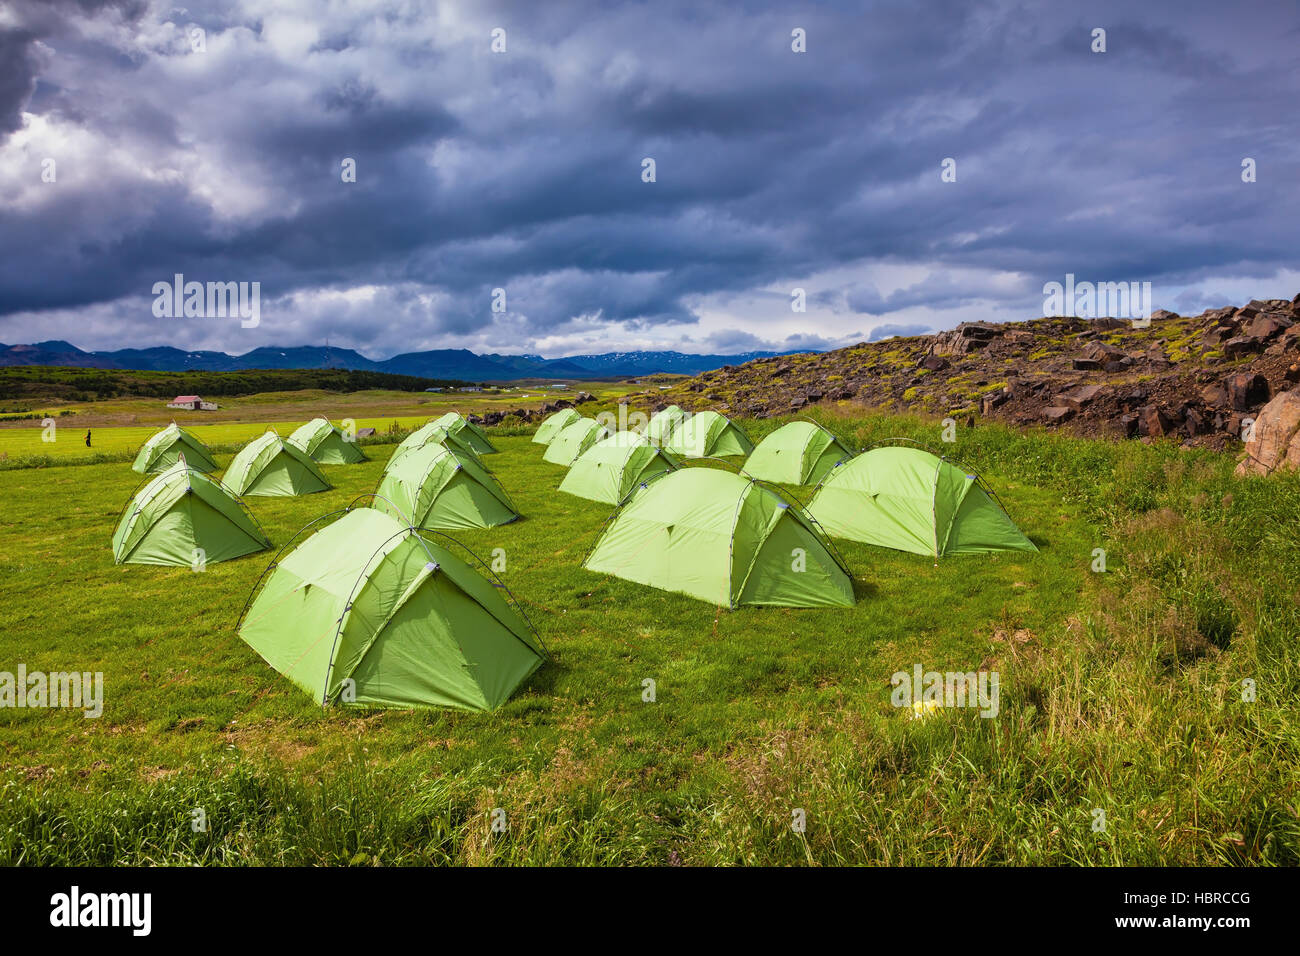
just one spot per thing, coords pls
(531, 414)
(1191, 379)
(1273, 441)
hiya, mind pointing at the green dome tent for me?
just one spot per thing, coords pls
(369, 612)
(458, 425)
(554, 424)
(800, 453)
(660, 427)
(434, 487)
(436, 434)
(611, 468)
(911, 500)
(179, 513)
(722, 538)
(326, 444)
(163, 448)
(708, 435)
(269, 465)
(573, 440)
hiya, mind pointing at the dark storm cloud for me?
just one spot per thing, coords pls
(18, 65)
(522, 171)
(32, 22)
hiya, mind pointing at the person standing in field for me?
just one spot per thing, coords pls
(87, 437)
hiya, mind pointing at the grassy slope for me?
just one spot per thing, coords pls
(1111, 696)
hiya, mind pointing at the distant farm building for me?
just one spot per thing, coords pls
(433, 390)
(192, 403)
(470, 388)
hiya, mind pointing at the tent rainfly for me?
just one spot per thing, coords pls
(911, 500)
(611, 468)
(464, 429)
(436, 434)
(800, 453)
(434, 487)
(326, 444)
(554, 424)
(708, 435)
(165, 446)
(722, 538)
(269, 465)
(182, 517)
(573, 440)
(368, 612)
(661, 424)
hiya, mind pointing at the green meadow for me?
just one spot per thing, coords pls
(119, 426)
(22, 445)
(1147, 713)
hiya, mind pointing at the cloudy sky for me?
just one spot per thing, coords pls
(219, 155)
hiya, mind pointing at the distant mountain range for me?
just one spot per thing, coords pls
(439, 363)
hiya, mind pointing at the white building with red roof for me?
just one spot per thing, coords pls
(193, 403)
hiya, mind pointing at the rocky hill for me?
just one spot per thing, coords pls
(1192, 378)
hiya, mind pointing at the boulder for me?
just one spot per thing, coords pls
(967, 337)
(1055, 414)
(1221, 326)
(1275, 442)
(1240, 345)
(1267, 325)
(992, 400)
(1102, 352)
(1099, 356)
(1194, 420)
(935, 363)
(1214, 395)
(1247, 390)
(1023, 387)
(1079, 397)
(1152, 422)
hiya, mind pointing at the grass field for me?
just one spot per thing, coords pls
(119, 426)
(1121, 692)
